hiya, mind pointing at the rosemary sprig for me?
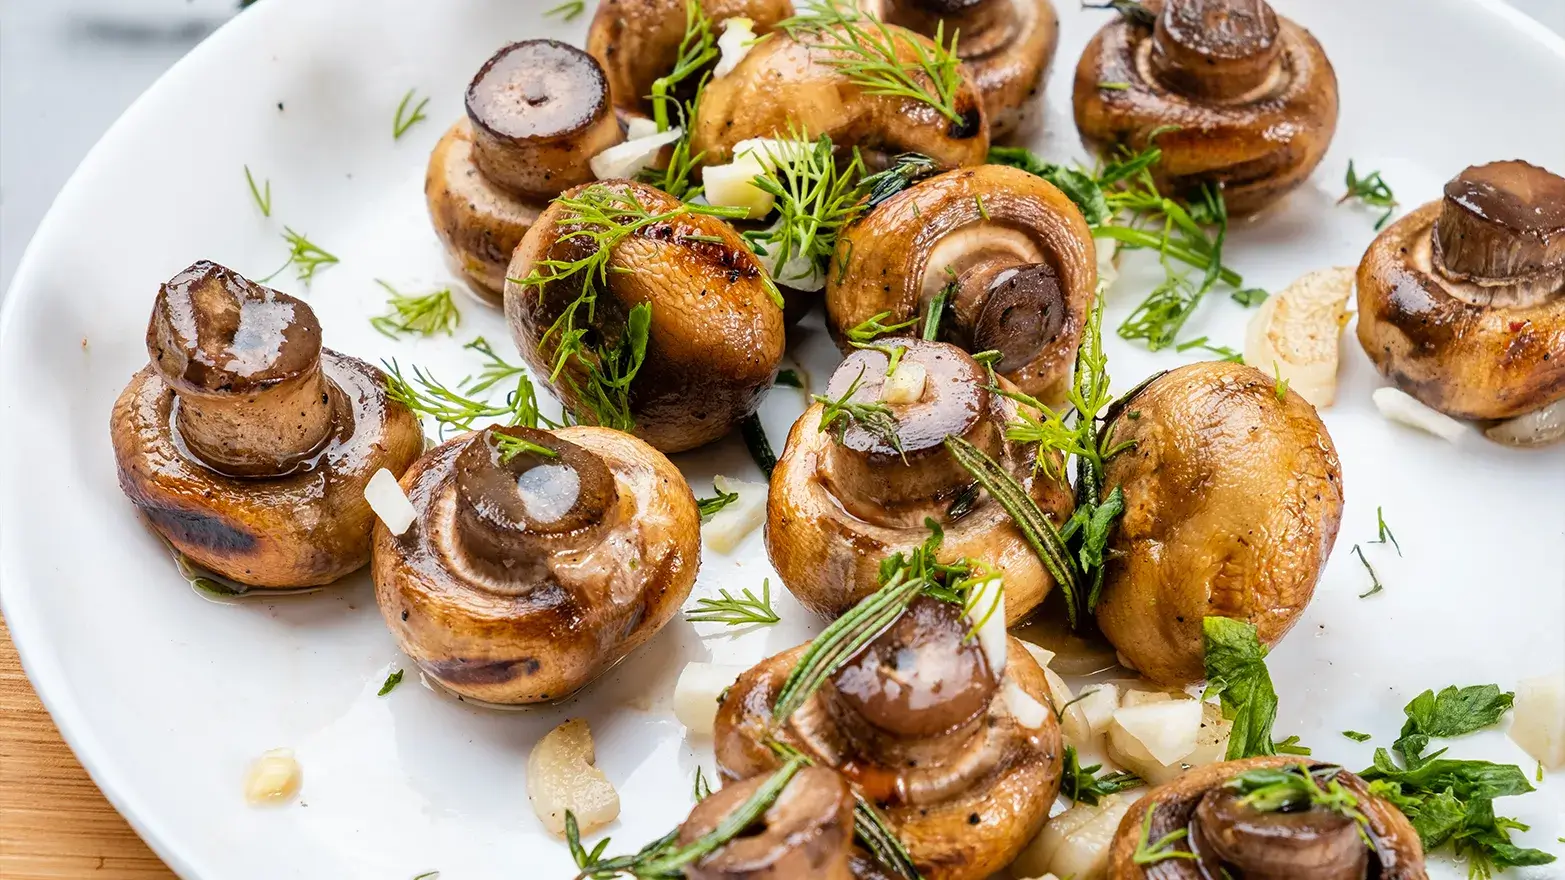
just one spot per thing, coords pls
(755, 441)
(510, 447)
(405, 119)
(906, 170)
(709, 506)
(1370, 190)
(876, 418)
(873, 328)
(305, 256)
(495, 369)
(264, 202)
(814, 198)
(567, 11)
(423, 315)
(745, 610)
(425, 395)
(1150, 853)
(697, 48)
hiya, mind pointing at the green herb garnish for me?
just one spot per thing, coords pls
(876, 418)
(1291, 746)
(813, 198)
(1236, 671)
(510, 447)
(423, 315)
(567, 11)
(1370, 190)
(1221, 351)
(305, 256)
(1281, 387)
(495, 369)
(755, 441)
(709, 506)
(427, 396)
(264, 202)
(390, 684)
(1385, 531)
(697, 48)
(745, 610)
(1150, 853)
(873, 328)
(788, 379)
(406, 120)
(1374, 578)
(937, 310)
(1081, 785)
(1285, 789)
(906, 170)
(701, 790)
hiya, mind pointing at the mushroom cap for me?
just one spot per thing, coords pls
(786, 88)
(831, 518)
(1176, 805)
(963, 804)
(565, 612)
(894, 259)
(1260, 136)
(1232, 502)
(479, 223)
(716, 336)
(637, 41)
(806, 832)
(307, 528)
(1470, 351)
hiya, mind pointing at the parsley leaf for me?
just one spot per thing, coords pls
(1080, 783)
(1453, 712)
(1236, 671)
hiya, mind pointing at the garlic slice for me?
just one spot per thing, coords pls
(696, 695)
(625, 159)
(905, 384)
(386, 498)
(273, 778)
(1404, 409)
(1295, 334)
(734, 43)
(1538, 725)
(730, 526)
(562, 774)
(733, 186)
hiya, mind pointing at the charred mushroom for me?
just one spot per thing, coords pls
(536, 112)
(851, 491)
(1251, 94)
(1233, 495)
(806, 832)
(801, 87)
(961, 756)
(638, 41)
(1462, 302)
(538, 559)
(1006, 45)
(1257, 819)
(245, 443)
(1012, 252)
(715, 336)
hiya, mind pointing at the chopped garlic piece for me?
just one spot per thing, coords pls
(625, 159)
(986, 607)
(390, 503)
(737, 38)
(1296, 333)
(905, 384)
(1027, 711)
(1539, 723)
(640, 127)
(728, 527)
(700, 688)
(733, 186)
(562, 774)
(1076, 843)
(1404, 409)
(1165, 731)
(273, 778)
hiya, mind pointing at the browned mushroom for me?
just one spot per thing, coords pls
(1233, 495)
(843, 496)
(787, 87)
(1462, 302)
(716, 332)
(1230, 826)
(1007, 46)
(245, 443)
(1013, 250)
(961, 758)
(536, 112)
(638, 41)
(806, 832)
(538, 559)
(1250, 94)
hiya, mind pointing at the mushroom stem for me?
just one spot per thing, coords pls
(1215, 49)
(244, 363)
(806, 832)
(1501, 224)
(1277, 845)
(982, 24)
(1015, 308)
(516, 505)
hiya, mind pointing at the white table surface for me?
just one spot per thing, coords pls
(68, 68)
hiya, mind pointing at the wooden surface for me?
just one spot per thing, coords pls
(54, 823)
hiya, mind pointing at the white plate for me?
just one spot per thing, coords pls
(166, 697)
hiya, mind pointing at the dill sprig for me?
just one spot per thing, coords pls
(405, 119)
(1385, 530)
(1204, 343)
(427, 396)
(510, 447)
(873, 327)
(697, 48)
(305, 256)
(876, 417)
(423, 315)
(1370, 190)
(495, 368)
(264, 202)
(567, 11)
(744, 610)
(677, 178)
(865, 50)
(814, 198)
(1149, 852)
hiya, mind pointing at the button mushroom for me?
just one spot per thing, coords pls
(844, 495)
(803, 86)
(806, 832)
(922, 725)
(1462, 302)
(1233, 495)
(1257, 819)
(638, 41)
(1006, 45)
(1251, 93)
(536, 112)
(582, 284)
(1014, 251)
(538, 559)
(245, 443)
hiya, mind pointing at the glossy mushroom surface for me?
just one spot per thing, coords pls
(1228, 834)
(1252, 95)
(1233, 496)
(836, 509)
(637, 41)
(1462, 301)
(245, 443)
(786, 87)
(922, 727)
(526, 575)
(537, 111)
(1017, 250)
(807, 832)
(1006, 45)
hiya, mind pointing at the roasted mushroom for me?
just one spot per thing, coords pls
(245, 443)
(638, 41)
(1462, 302)
(962, 758)
(1237, 96)
(716, 332)
(1233, 495)
(1012, 250)
(537, 560)
(801, 88)
(1256, 819)
(807, 832)
(536, 112)
(1006, 45)
(846, 494)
